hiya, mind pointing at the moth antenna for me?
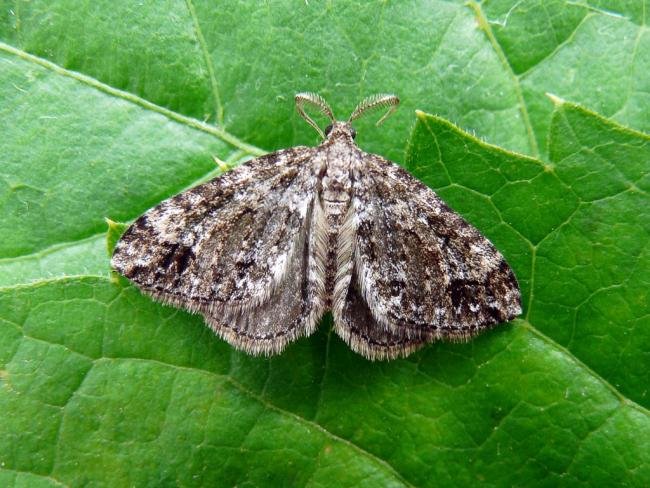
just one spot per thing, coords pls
(317, 101)
(376, 101)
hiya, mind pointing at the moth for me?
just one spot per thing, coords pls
(266, 249)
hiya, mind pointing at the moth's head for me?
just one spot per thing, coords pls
(338, 129)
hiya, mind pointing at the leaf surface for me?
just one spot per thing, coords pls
(106, 108)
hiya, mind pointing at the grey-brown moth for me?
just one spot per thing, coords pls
(263, 251)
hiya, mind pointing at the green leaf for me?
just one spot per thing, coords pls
(107, 108)
(593, 53)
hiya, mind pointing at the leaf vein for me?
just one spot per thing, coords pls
(136, 100)
(214, 86)
(270, 406)
(485, 25)
(623, 399)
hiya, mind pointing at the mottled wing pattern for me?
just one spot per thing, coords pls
(357, 326)
(233, 249)
(420, 271)
(293, 310)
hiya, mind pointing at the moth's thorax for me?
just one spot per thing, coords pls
(336, 184)
(339, 154)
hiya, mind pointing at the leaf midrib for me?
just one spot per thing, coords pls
(134, 99)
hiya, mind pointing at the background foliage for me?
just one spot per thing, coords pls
(106, 108)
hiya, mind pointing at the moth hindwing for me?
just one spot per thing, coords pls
(263, 251)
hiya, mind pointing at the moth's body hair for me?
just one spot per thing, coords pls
(344, 259)
(319, 252)
(263, 251)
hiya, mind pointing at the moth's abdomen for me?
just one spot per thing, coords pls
(334, 202)
(335, 213)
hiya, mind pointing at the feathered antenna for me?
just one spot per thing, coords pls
(376, 101)
(317, 101)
